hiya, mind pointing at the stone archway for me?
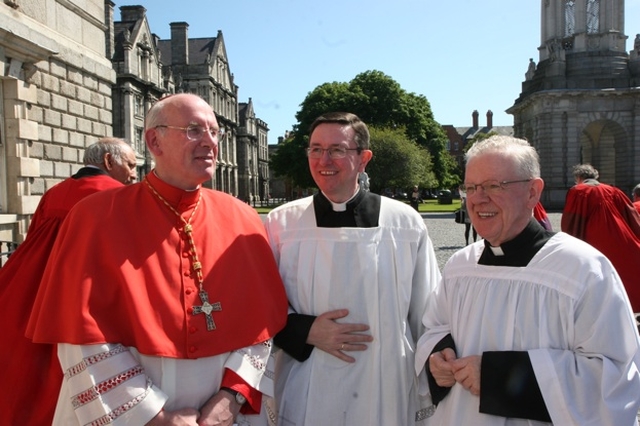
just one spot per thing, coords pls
(605, 145)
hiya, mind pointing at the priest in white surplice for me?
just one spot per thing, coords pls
(527, 327)
(358, 270)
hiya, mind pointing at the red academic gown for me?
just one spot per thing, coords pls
(636, 204)
(31, 374)
(540, 214)
(131, 281)
(603, 216)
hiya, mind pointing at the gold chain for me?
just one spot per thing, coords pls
(188, 230)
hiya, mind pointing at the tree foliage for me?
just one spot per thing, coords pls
(398, 162)
(380, 102)
(479, 137)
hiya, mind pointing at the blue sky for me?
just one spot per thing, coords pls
(462, 55)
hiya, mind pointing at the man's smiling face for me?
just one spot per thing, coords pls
(337, 178)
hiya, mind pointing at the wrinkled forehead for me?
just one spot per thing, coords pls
(190, 110)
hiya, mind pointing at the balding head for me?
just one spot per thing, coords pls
(114, 156)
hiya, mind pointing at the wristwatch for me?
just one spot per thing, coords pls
(240, 399)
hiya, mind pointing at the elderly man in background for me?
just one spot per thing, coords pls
(108, 163)
(528, 326)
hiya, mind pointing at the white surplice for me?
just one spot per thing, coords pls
(567, 308)
(383, 276)
(113, 384)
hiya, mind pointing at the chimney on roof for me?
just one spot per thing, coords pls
(179, 43)
(475, 116)
(489, 119)
(132, 13)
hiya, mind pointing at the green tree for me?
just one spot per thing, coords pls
(380, 102)
(398, 162)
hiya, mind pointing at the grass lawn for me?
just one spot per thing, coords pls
(432, 206)
(428, 206)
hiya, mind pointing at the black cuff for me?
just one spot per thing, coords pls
(508, 387)
(439, 392)
(293, 337)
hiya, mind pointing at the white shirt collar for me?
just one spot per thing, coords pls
(497, 251)
(341, 207)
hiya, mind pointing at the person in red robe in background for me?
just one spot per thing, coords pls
(166, 313)
(541, 216)
(636, 197)
(603, 216)
(31, 378)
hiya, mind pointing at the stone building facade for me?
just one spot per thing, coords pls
(581, 102)
(72, 74)
(141, 78)
(253, 155)
(459, 137)
(55, 99)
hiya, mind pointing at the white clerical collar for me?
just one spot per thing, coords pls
(341, 207)
(497, 251)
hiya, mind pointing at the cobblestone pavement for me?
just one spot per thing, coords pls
(448, 236)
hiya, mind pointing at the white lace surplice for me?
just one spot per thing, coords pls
(567, 308)
(383, 276)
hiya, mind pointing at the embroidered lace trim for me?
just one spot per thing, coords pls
(256, 360)
(105, 386)
(425, 412)
(94, 359)
(114, 414)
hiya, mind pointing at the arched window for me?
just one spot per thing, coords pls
(593, 16)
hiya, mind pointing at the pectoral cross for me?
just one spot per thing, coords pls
(206, 309)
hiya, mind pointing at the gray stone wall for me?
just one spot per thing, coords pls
(56, 98)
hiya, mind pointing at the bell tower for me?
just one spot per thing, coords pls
(580, 103)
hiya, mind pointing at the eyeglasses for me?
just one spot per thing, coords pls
(490, 187)
(334, 152)
(195, 132)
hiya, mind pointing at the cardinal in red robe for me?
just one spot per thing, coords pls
(168, 306)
